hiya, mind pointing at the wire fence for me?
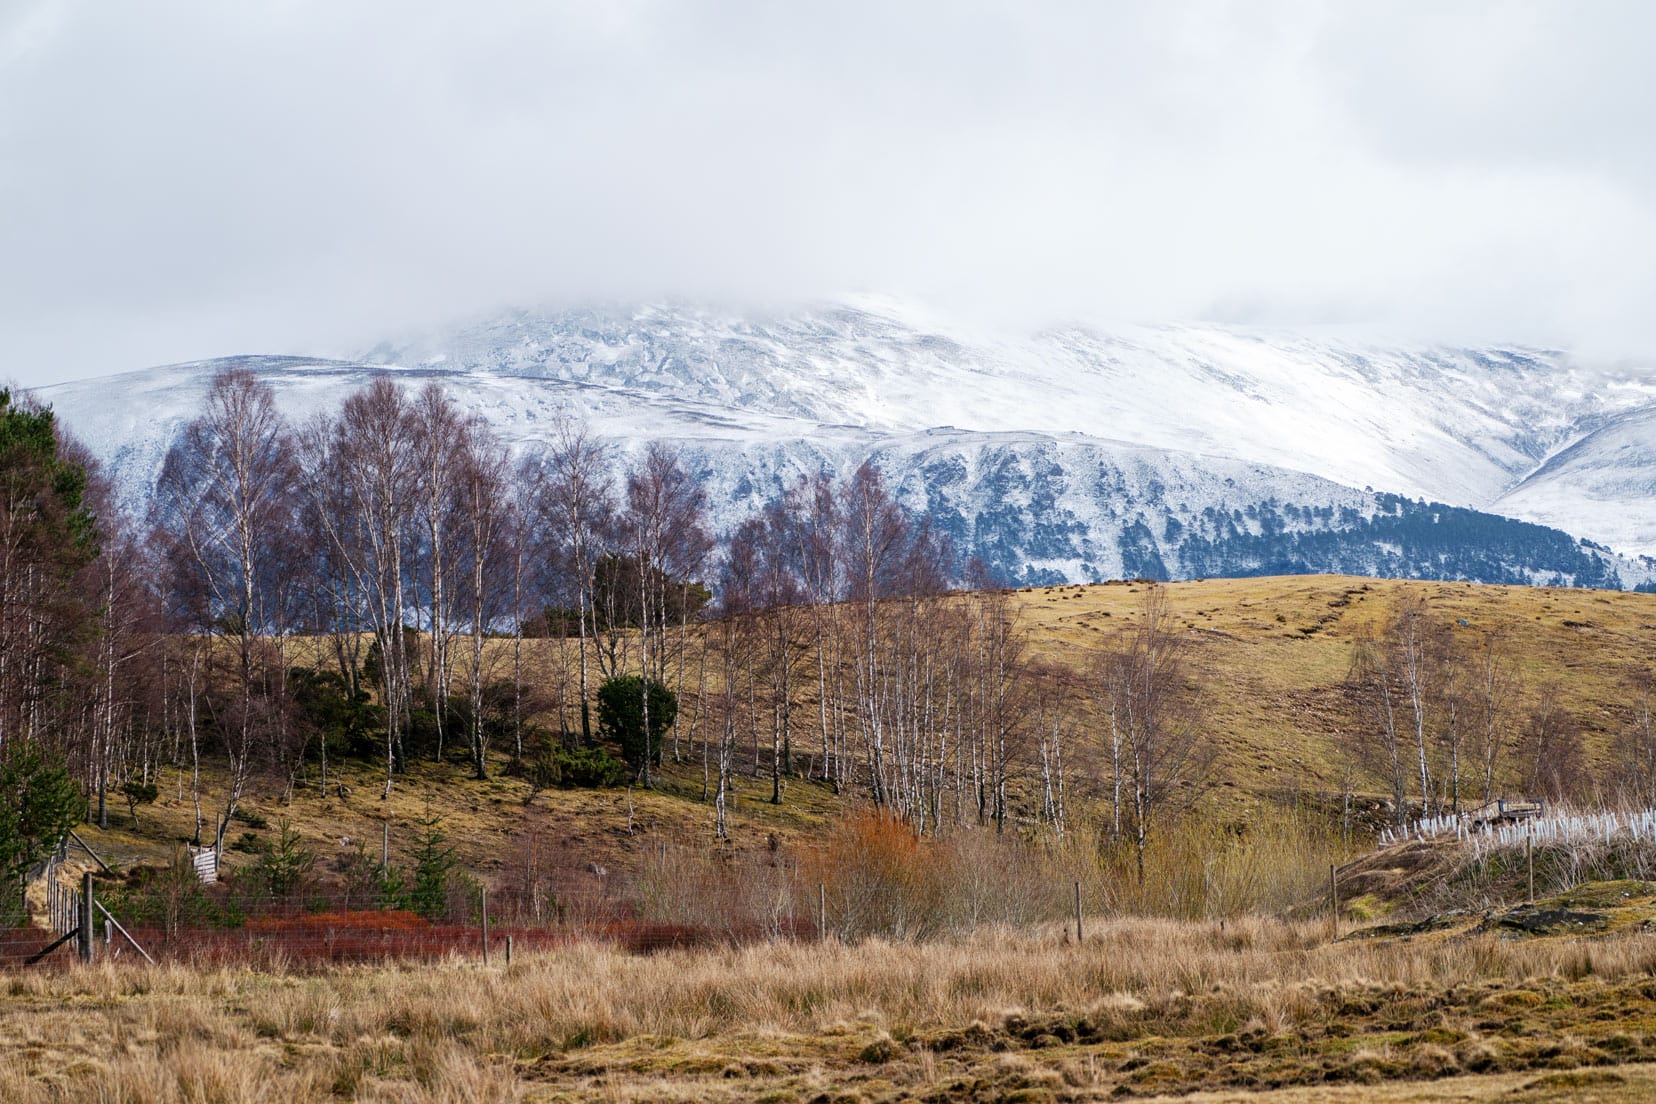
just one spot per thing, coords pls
(279, 899)
(22, 946)
(673, 901)
(340, 928)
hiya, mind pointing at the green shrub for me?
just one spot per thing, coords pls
(248, 843)
(369, 885)
(582, 768)
(621, 717)
(139, 793)
(171, 898)
(336, 714)
(285, 863)
(39, 804)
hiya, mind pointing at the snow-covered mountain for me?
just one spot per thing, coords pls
(1072, 453)
(1603, 482)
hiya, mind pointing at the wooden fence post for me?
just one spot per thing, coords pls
(385, 846)
(86, 944)
(822, 911)
(1078, 933)
(1334, 898)
(508, 948)
(484, 893)
(1529, 862)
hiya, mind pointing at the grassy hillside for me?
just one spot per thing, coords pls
(1505, 1001)
(1272, 655)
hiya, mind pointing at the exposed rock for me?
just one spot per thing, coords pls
(1531, 920)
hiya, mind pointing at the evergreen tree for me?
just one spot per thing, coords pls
(39, 804)
(434, 865)
(47, 536)
(621, 717)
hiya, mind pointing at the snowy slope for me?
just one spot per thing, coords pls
(1459, 425)
(1068, 453)
(1603, 484)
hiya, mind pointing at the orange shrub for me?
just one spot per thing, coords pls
(881, 879)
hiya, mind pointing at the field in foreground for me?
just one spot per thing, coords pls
(1142, 1008)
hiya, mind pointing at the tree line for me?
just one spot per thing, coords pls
(387, 580)
(1450, 717)
(367, 583)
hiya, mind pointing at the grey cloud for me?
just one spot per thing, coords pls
(192, 179)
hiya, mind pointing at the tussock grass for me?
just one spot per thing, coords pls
(1149, 1005)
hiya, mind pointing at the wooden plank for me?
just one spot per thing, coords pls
(88, 849)
(61, 940)
(205, 862)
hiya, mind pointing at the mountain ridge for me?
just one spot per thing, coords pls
(1068, 454)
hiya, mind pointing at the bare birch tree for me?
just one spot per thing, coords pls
(439, 440)
(1494, 688)
(573, 503)
(873, 530)
(225, 502)
(362, 472)
(484, 508)
(1166, 750)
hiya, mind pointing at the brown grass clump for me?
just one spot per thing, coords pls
(1142, 1007)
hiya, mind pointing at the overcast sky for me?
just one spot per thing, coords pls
(182, 180)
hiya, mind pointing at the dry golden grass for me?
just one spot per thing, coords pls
(1142, 1007)
(1274, 651)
